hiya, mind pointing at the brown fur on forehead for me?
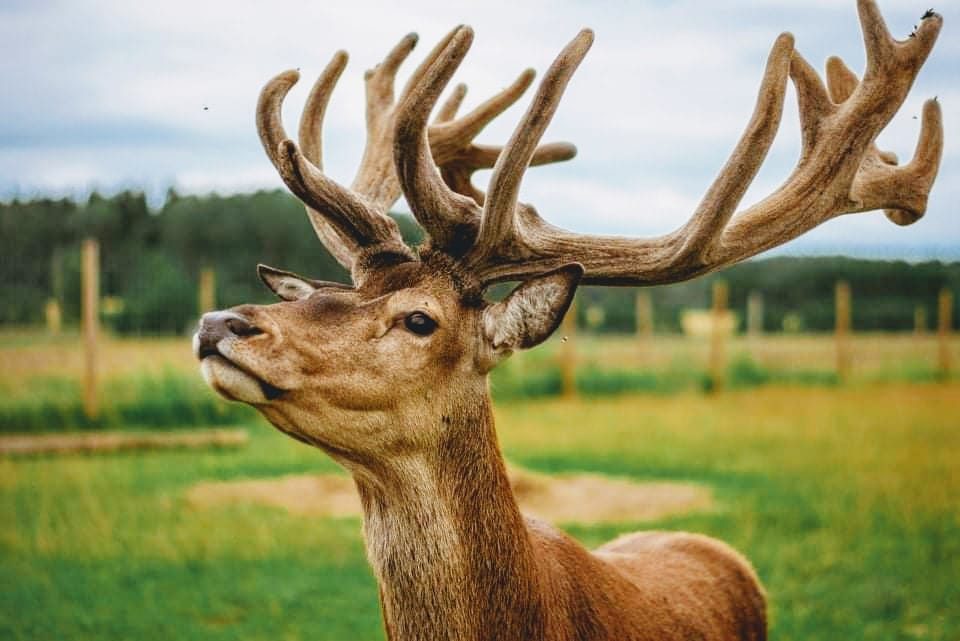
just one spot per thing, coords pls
(391, 279)
(434, 269)
(329, 304)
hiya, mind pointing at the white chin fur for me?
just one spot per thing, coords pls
(229, 381)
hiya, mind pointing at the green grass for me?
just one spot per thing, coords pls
(545, 380)
(164, 400)
(845, 499)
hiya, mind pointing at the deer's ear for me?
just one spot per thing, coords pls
(531, 312)
(286, 285)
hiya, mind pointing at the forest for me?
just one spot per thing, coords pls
(151, 260)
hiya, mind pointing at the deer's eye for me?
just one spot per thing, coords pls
(420, 324)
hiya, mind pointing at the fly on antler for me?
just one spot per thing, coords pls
(389, 376)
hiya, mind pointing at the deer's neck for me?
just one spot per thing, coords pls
(447, 541)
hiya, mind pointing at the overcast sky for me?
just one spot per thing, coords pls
(112, 94)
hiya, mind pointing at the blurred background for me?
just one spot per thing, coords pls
(811, 392)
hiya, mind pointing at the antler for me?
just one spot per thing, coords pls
(840, 169)
(450, 211)
(353, 223)
(451, 142)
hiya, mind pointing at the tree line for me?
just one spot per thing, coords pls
(151, 260)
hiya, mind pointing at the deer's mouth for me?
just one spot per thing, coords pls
(235, 382)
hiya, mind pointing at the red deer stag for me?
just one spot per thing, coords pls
(389, 376)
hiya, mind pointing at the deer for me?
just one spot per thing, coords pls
(388, 375)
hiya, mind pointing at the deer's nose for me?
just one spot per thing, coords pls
(215, 326)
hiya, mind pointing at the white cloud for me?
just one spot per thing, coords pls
(595, 206)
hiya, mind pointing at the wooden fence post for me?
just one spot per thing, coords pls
(842, 301)
(644, 315)
(53, 312)
(754, 314)
(919, 320)
(56, 275)
(568, 352)
(945, 330)
(207, 292)
(90, 321)
(718, 334)
(53, 316)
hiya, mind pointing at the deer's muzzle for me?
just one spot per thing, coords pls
(217, 326)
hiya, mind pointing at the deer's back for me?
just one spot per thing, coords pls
(651, 585)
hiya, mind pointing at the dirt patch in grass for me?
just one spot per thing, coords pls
(576, 498)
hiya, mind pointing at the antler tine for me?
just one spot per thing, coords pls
(311, 120)
(877, 41)
(269, 105)
(381, 78)
(456, 155)
(445, 215)
(914, 178)
(343, 209)
(376, 177)
(416, 78)
(720, 202)
(883, 51)
(342, 220)
(445, 139)
(451, 141)
(448, 111)
(902, 192)
(454, 174)
(458, 172)
(500, 205)
(342, 248)
(841, 82)
(813, 100)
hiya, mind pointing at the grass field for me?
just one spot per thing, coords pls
(844, 498)
(844, 495)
